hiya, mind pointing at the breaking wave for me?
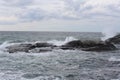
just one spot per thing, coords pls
(60, 42)
(55, 42)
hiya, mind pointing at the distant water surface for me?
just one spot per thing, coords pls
(46, 36)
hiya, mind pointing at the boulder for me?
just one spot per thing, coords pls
(67, 48)
(81, 44)
(39, 50)
(26, 47)
(90, 45)
(102, 46)
(73, 44)
(19, 48)
(43, 45)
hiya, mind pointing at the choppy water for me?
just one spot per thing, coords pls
(58, 64)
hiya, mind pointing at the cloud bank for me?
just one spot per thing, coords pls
(59, 15)
(20, 11)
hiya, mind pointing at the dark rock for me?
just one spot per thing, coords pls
(73, 44)
(19, 48)
(82, 44)
(39, 50)
(102, 46)
(43, 45)
(90, 45)
(67, 48)
(28, 47)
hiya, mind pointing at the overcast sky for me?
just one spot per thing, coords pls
(59, 15)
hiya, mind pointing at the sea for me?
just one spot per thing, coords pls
(57, 64)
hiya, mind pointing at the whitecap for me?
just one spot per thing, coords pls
(60, 42)
(114, 59)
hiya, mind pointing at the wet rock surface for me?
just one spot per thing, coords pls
(39, 50)
(19, 48)
(87, 45)
(77, 44)
(37, 47)
(91, 45)
(102, 46)
(73, 44)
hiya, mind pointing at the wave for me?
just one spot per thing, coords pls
(54, 42)
(4, 45)
(70, 43)
(60, 42)
(114, 59)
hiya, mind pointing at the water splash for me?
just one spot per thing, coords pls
(3, 45)
(60, 42)
(108, 33)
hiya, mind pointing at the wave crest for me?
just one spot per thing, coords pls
(60, 42)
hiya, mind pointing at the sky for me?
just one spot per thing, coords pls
(60, 15)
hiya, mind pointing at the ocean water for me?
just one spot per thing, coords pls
(57, 64)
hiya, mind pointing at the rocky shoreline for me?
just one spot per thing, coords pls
(87, 45)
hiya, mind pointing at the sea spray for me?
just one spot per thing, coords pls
(3, 45)
(108, 32)
(60, 42)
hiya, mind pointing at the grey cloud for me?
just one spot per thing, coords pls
(32, 15)
(17, 3)
(21, 9)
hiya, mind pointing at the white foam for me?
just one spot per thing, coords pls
(55, 42)
(114, 59)
(60, 42)
(4, 45)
